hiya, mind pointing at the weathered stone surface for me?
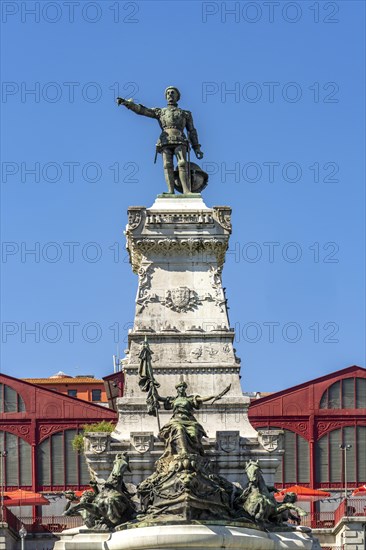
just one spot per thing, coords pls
(167, 537)
(177, 248)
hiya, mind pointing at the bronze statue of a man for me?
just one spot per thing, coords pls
(172, 141)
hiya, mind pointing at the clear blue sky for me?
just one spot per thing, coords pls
(285, 150)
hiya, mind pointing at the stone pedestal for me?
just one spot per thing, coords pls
(177, 248)
(188, 537)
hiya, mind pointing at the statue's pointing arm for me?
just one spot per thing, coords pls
(138, 108)
(193, 136)
(214, 397)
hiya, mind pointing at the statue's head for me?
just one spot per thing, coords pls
(172, 95)
(252, 470)
(123, 457)
(181, 388)
(290, 497)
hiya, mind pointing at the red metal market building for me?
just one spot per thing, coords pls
(317, 417)
(37, 426)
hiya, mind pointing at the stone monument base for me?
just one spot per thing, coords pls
(187, 537)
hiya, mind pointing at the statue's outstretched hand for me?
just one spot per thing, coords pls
(199, 154)
(224, 392)
(122, 101)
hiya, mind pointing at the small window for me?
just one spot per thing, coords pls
(58, 464)
(361, 393)
(331, 461)
(334, 401)
(349, 393)
(10, 400)
(17, 461)
(72, 393)
(96, 395)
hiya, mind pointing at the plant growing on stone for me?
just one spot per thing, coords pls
(103, 426)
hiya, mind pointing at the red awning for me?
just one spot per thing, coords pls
(360, 491)
(303, 493)
(20, 497)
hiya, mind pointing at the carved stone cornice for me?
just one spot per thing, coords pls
(219, 214)
(142, 246)
(158, 218)
(202, 369)
(199, 334)
(222, 214)
(177, 232)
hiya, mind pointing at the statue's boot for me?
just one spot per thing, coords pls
(169, 178)
(184, 180)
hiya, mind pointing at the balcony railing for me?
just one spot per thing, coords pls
(51, 524)
(319, 520)
(350, 507)
(353, 507)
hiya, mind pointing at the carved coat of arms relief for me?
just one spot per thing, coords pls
(271, 440)
(98, 443)
(142, 441)
(181, 299)
(228, 441)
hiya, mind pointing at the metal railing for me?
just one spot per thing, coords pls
(350, 507)
(319, 520)
(50, 524)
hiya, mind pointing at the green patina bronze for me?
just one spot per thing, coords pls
(174, 142)
(109, 506)
(185, 484)
(257, 499)
(183, 434)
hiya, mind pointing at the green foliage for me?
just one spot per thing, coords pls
(78, 443)
(103, 426)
